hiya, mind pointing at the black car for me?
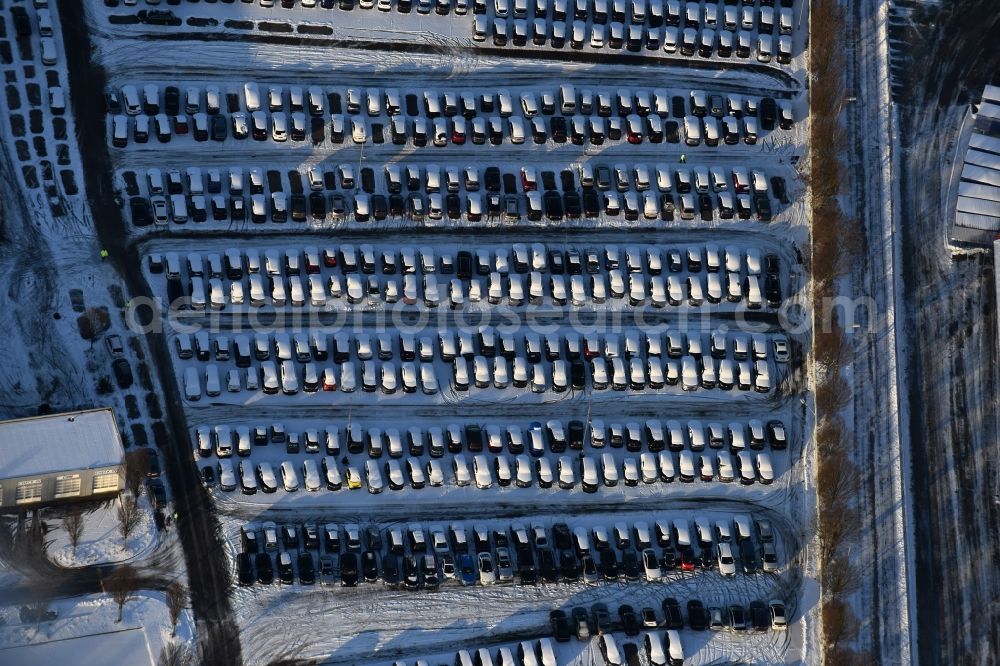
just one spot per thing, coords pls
(244, 568)
(547, 565)
(123, 373)
(562, 537)
(349, 570)
(528, 575)
(698, 616)
(569, 566)
(369, 566)
(430, 572)
(298, 203)
(780, 189)
(411, 573)
(737, 618)
(772, 264)
(768, 113)
(578, 374)
(380, 206)
(760, 618)
(265, 570)
(219, 128)
(558, 128)
(157, 493)
(772, 290)
(602, 618)
(763, 205)
(668, 561)
(140, 211)
(307, 570)
(560, 626)
(705, 204)
(285, 573)
(748, 557)
(672, 617)
(553, 204)
(630, 621)
(153, 468)
(208, 476)
(630, 652)
(609, 564)
(630, 565)
(390, 571)
(317, 205)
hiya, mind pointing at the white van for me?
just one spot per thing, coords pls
(133, 105)
(44, 23)
(192, 384)
(692, 130)
(567, 99)
(49, 53)
(252, 95)
(310, 476)
(213, 386)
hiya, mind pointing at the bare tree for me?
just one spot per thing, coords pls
(121, 585)
(73, 524)
(129, 515)
(136, 465)
(176, 601)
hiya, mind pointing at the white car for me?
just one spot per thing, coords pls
(524, 477)
(651, 565)
(461, 470)
(567, 473)
(781, 351)
(310, 476)
(227, 477)
(394, 474)
(289, 477)
(374, 476)
(765, 471)
(484, 477)
(435, 475)
(727, 563)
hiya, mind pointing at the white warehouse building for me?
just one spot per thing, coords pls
(59, 458)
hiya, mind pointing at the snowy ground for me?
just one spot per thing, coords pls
(101, 542)
(144, 631)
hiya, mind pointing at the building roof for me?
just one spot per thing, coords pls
(128, 646)
(978, 174)
(59, 443)
(989, 144)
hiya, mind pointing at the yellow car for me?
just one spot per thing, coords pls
(353, 478)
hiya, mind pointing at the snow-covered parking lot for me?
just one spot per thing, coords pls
(463, 333)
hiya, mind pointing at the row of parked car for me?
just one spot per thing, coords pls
(577, 129)
(689, 372)
(578, 34)
(612, 193)
(236, 264)
(586, 623)
(483, 260)
(589, 473)
(486, 342)
(732, 274)
(432, 209)
(515, 291)
(416, 557)
(453, 179)
(430, 104)
(655, 13)
(534, 438)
